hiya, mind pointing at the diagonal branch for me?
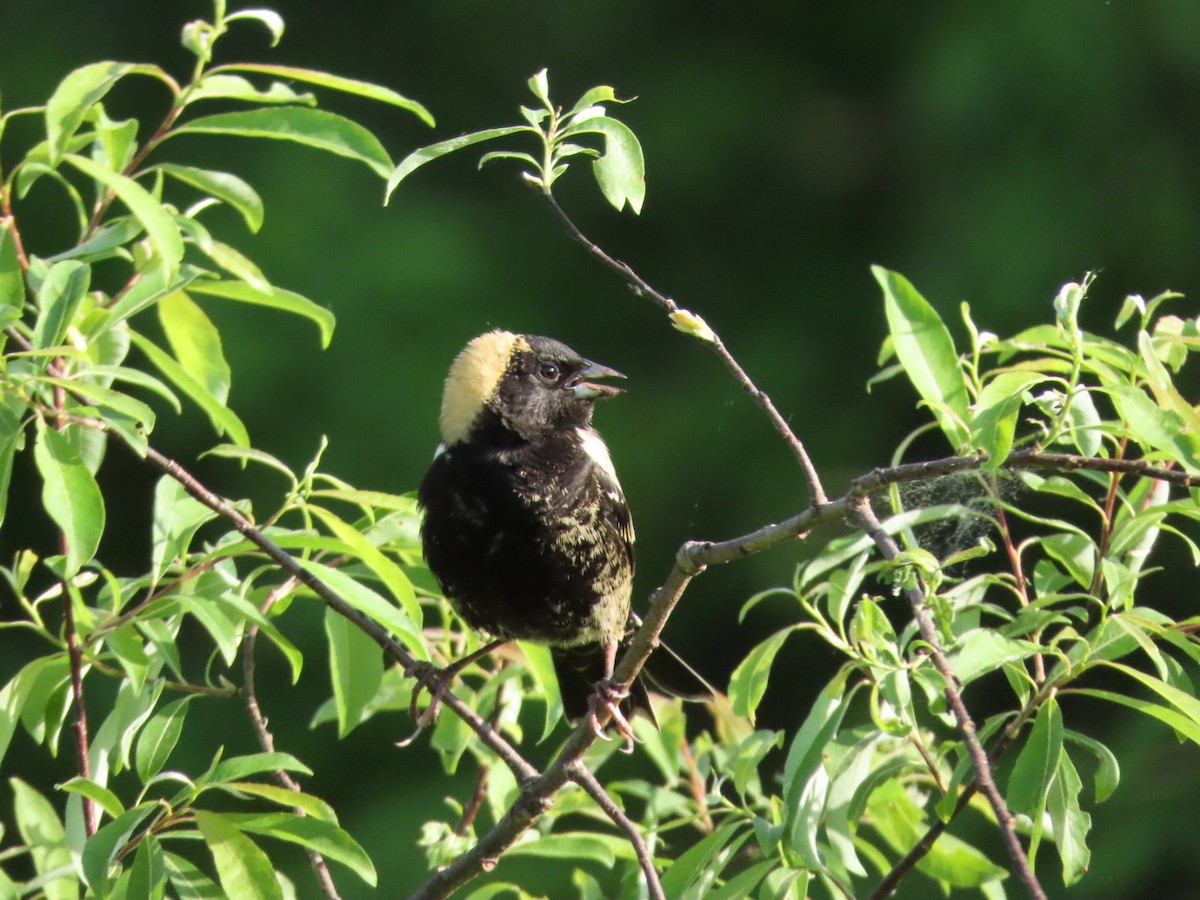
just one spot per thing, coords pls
(520, 767)
(865, 517)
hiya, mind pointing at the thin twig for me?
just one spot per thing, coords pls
(866, 519)
(586, 780)
(643, 288)
(266, 740)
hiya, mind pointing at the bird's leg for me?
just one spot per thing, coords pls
(437, 681)
(609, 696)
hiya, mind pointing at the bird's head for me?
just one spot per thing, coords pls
(526, 384)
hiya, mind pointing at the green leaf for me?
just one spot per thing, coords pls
(1161, 429)
(311, 127)
(1108, 770)
(276, 298)
(1038, 762)
(749, 680)
(78, 93)
(994, 418)
(148, 871)
(159, 737)
(160, 228)
(189, 882)
(621, 170)
(702, 859)
(58, 300)
(101, 849)
(983, 650)
(1075, 552)
(356, 669)
(239, 767)
(388, 572)
(196, 343)
(310, 805)
(926, 350)
(1070, 824)
(12, 434)
(177, 517)
(43, 833)
(225, 187)
(216, 86)
(337, 83)
(12, 282)
(541, 667)
(98, 793)
(223, 419)
(268, 17)
(419, 157)
(70, 495)
(245, 872)
(322, 836)
(367, 601)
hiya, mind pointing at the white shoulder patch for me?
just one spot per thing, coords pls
(594, 446)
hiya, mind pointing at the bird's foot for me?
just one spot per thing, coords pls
(428, 678)
(608, 697)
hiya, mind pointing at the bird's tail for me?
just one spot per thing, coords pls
(579, 668)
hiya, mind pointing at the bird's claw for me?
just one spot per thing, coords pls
(429, 678)
(608, 696)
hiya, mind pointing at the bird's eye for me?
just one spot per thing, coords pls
(548, 372)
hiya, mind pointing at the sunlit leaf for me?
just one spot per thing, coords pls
(418, 158)
(159, 737)
(275, 298)
(321, 835)
(337, 83)
(223, 419)
(44, 835)
(70, 495)
(78, 92)
(749, 680)
(58, 300)
(312, 127)
(245, 872)
(1038, 761)
(356, 669)
(226, 187)
(926, 350)
(196, 343)
(160, 228)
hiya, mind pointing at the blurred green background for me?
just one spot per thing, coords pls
(990, 151)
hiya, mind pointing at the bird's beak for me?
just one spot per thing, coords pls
(585, 389)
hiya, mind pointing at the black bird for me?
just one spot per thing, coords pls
(526, 527)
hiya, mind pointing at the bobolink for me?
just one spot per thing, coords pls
(526, 527)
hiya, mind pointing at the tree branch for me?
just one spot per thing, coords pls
(586, 780)
(865, 517)
(266, 740)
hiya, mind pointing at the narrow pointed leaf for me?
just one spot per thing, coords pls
(926, 350)
(160, 228)
(58, 300)
(196, 343)
(70, 496)
(356, 669)
(312, 127)
(1038, 762)
(338, 83)
(225, 187)
(78, 92)
(418, 158)
(275, 298)
(245, 872)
